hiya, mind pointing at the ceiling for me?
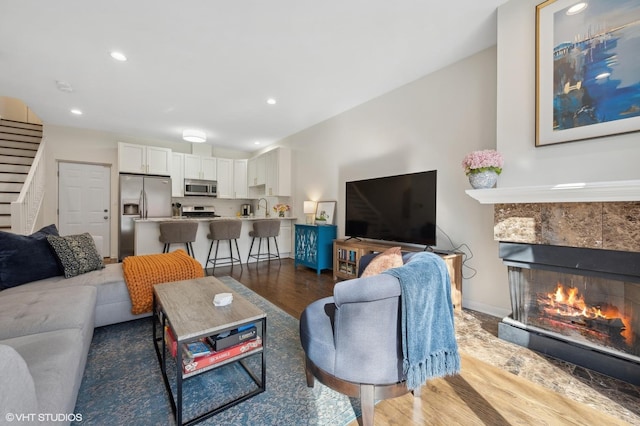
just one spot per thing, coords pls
(212, 64)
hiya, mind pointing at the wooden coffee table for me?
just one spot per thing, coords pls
(186, 307)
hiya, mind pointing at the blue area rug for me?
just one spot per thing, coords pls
(122, 383)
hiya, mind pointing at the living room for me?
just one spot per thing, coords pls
(485, 101)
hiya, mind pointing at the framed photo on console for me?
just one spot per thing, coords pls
(327, 210)
(587, 69)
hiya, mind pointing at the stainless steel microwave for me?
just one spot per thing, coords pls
(203, 188)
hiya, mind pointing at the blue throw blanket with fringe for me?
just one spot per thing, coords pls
(429, 344)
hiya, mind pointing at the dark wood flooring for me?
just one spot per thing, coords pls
(289, 288)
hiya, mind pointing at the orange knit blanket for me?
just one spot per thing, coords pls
(141, 273)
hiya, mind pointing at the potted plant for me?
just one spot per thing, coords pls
(322, 218)
(483, 168)
(280, 209)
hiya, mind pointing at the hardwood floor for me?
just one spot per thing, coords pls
(481, 395)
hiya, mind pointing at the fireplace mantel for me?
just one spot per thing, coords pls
(624, 190)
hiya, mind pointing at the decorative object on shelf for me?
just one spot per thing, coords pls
(582, 92)
(483, 168)
(325, 211)
(309, 210)
(281, 209)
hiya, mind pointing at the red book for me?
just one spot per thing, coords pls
(170, 341)
(195, 364)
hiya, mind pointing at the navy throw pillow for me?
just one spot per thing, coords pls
(26, 258)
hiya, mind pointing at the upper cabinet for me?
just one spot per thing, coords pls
(197, 167)
(256, 173)
(151, 160)
(232, 178)
(225, 178)
(240, 178)
(177, 175)
(270, 174)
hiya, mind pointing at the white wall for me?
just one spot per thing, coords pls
(429, 124)
(603, 159)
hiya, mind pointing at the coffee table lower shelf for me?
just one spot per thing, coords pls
(161, 320)
(177, 400)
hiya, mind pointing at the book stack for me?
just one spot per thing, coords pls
(214, 349)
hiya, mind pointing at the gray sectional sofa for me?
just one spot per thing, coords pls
(46, 327)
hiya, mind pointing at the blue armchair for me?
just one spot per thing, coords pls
(352, 340)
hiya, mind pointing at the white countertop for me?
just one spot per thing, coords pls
(208, 219)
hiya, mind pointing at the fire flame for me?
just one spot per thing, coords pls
(568, 302)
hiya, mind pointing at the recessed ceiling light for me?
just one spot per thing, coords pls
(577, 8)
(196, 136)
(271, 101)
(256, 143)
(118, 56)
(76, 111)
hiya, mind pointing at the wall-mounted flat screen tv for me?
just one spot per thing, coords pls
(394, 208)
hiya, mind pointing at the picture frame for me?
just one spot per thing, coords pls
(587, 70)
(329, 209)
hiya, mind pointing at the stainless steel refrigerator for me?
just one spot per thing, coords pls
(140, 197)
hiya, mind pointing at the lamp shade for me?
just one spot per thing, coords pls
(194, 136)
(309, 207)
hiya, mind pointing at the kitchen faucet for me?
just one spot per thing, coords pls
(266, 206)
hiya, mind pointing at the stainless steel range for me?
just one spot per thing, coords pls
(199, 211)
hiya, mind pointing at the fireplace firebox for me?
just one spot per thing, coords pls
(576, 304)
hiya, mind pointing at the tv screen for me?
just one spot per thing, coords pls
(394, 208)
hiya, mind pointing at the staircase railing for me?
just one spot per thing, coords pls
(24, 211)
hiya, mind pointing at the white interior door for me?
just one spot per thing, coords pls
(83, 201)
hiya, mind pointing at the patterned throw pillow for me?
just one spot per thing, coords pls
(77, 253)
(391, 258)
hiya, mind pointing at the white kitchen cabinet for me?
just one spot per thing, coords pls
(256, 172)
(177, 174)
(240, 178)
(284, 238)
(197, 167)
(278, 172)
(225, 178)
(144, 159)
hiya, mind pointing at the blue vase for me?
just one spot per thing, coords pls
(483, 180)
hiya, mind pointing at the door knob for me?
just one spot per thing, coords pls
(106, 217)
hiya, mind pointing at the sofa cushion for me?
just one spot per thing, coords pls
(390, 258)
(77, 254)
(26, 258)
(56, 361)
(46, 310)
(18, 391)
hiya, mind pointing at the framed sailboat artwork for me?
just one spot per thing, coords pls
(587, 69)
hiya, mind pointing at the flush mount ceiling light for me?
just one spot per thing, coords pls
(271, 101)
(64, 86)
(118, 56)
(76, 111)
(196, 136)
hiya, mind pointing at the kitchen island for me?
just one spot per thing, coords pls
(147, 233)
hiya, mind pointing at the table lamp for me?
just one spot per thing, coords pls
(309, 210)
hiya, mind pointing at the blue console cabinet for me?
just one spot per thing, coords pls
(314, 246)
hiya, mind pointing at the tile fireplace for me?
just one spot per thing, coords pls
(578, 304)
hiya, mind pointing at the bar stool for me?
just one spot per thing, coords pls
(220, 230)
(269, 228)
(179, 232)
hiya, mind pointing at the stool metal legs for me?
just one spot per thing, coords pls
(268, 255)
(189, 247)
(228, 260)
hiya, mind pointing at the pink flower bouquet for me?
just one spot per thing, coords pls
(482, 161)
